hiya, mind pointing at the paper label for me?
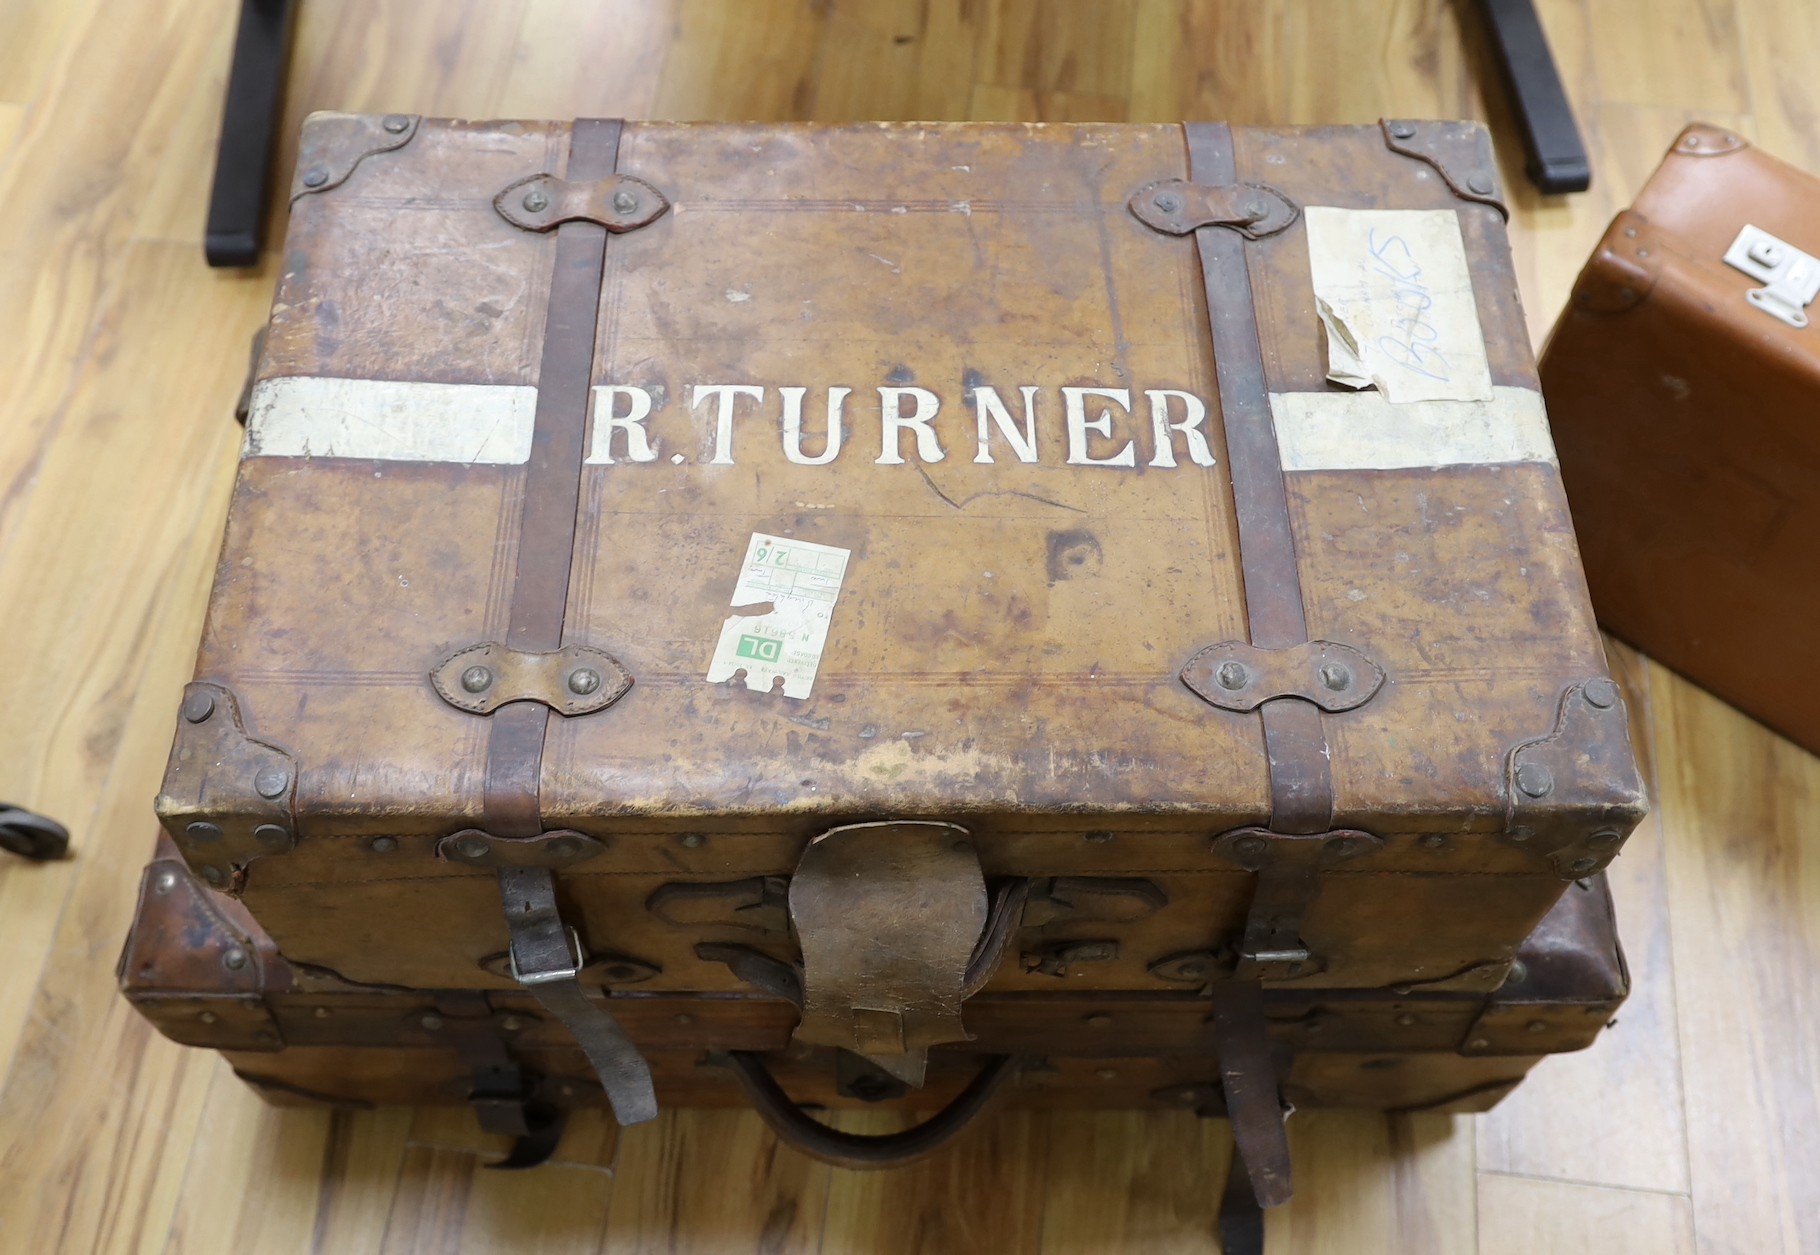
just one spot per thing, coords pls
(1395, 295)
(1355, 431)
(307, 416)
(792, 584)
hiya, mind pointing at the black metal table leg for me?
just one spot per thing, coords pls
(1557, 159)
(243, 161)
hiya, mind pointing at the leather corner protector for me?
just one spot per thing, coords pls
(1623, 270)
(1701, 139)
(573, 680)
(227, 798)
(333, 144)
(1460, 153)
(1178, 207)
(1576, 794)
(542, 202)
(557, 849)
(1237, 676)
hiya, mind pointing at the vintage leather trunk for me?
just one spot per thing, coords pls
(880, 565)
(201, 970)
(1683, 381)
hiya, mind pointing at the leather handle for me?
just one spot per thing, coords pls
(865, 1150)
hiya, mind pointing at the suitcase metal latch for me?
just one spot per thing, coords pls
(1791, 278)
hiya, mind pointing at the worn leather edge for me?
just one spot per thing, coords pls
(333, 145)
(1622, 271)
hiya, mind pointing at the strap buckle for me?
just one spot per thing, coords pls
(543, 976)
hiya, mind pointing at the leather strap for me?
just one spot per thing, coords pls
(1301, 782)
(1254, 1103)
(1241, 1219)
(862, 1150)
(547, 959)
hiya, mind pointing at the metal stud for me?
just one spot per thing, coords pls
(1256, 211)
(1402, 130)
(233, 958)
(431, 1022)
(197, 707)
(207, 1017)
(1336, 677)
(1600, 694)
(1604, 839)
(512, 1024)
(1406, 1019)
(212, 874)
(625, 202)
(1535, 780)
(1168, 202)
(1099, 1020)
(1537, 1026)
(1106, 1074)
(164, 882)
(1477, 1043)
(693, 840)
(1432, 841)
(1581, 866)
(564, 847)
(396, 124)
(1479, 185)
(272, 836)
(471, 847)
(1519, 972)
(1233, 675)
(315, 176)
(477, 679)
(535, 201)
(383, 845)
(1246, 847)
(1343, 847)
(203, 833)
(1098, 837)
(271, 782)
(583, 681)
(321, 1013)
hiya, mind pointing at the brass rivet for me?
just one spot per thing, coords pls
(1535, 780)
(1537, 1026)
(1519, 972)
(1630, 233)
(1248, 846)
(625, 202)
(1477, 1043)
(693, 840)
(535, 201)
(471, 847)
(1106, 1074)
(383, 845)
(203, 832)
(233, 958)
(563, 847)
(1098, 837)
(1343, 847)
(1431, 841)
(1406, 1019)
(321, 1013)
(1099, 1020)
(1581, 866)
(1402, 130)
(271, 782)
(315, 176)
(207, 1017)
(197, 707)
(271, 836)
(1603, 840)
(511, 1024)
(431, 1022)
(1233, 675)
(1479, 185)
(1167, 202)
(1336, 677)
(477, 679)
(1191, 970)
(396, 123)
(212, 874)
(1601, 694)
(164, 882)
(583, 680)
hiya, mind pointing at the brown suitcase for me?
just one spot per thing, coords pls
(1096, 644)
(1683, 381)
(199, 968)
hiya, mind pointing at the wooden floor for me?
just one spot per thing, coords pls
(1694, 1124)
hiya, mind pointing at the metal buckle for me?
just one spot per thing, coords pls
(1791, 278)
(571, 972)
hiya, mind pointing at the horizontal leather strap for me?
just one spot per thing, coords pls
(862, 1150)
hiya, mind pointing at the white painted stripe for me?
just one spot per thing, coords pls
(1355, 431)
(312, 417)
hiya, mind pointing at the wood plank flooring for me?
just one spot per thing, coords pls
(1694, 1125)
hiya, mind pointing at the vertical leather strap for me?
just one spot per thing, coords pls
(547, 955)
(1241, 1220)
(1254, 1103)
(552, 489)
(1301, 782)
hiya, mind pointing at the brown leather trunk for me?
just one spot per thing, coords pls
(897, 567)
(1683, 391)
(204, 974)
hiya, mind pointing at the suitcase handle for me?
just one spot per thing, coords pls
(865, 1150)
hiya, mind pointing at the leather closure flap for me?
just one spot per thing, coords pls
(1234, 675)
(573, 680)
(1176, 207)
(551, 850)
(618, 202)
(889, 916)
